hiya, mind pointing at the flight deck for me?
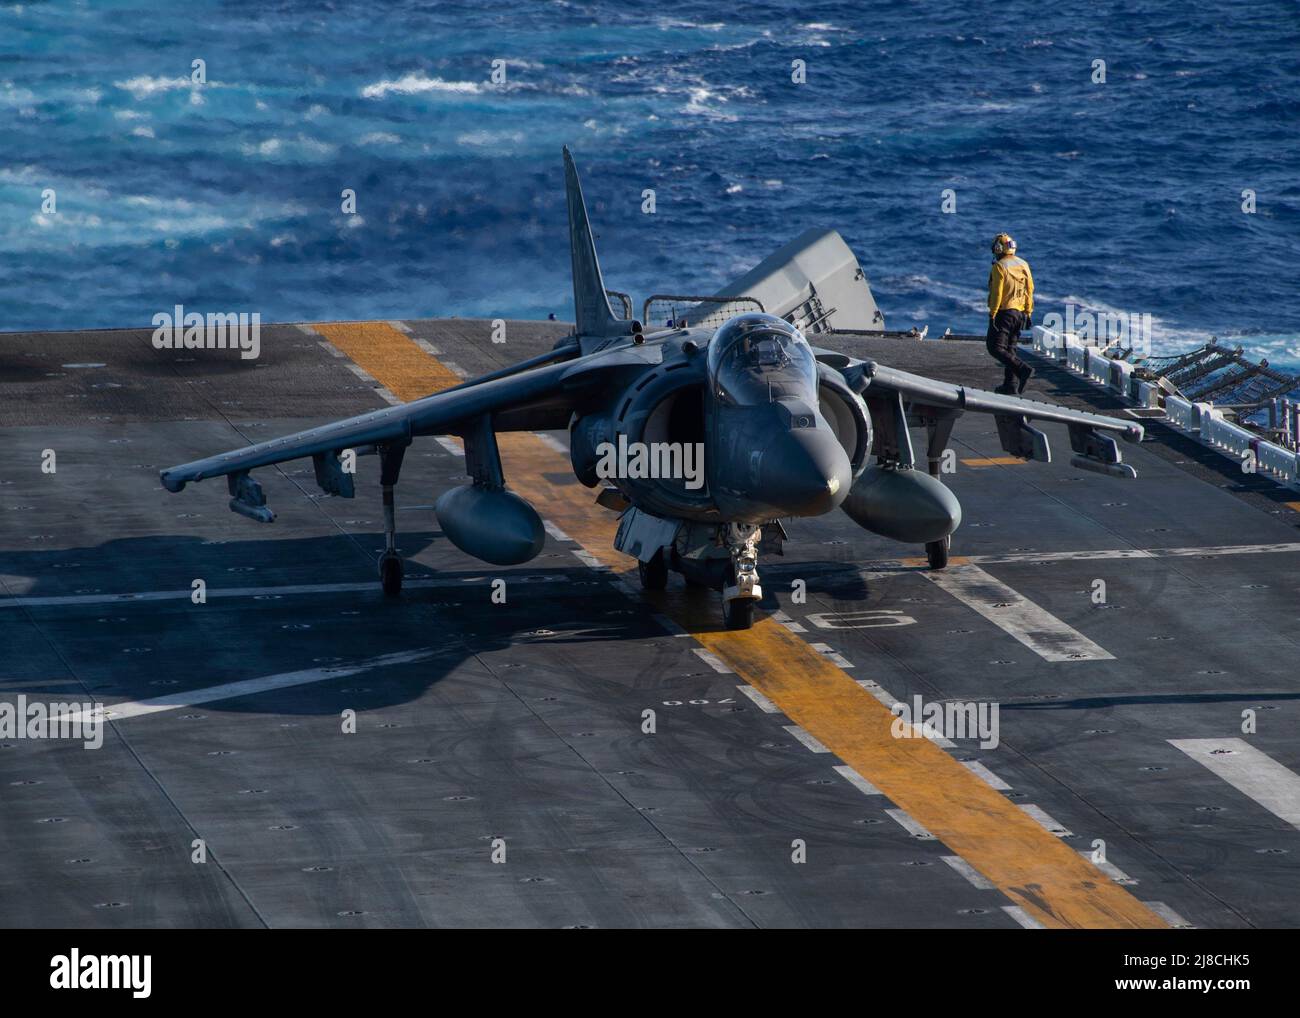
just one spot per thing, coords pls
(298, 750)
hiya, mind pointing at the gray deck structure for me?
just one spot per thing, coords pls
(524, 723)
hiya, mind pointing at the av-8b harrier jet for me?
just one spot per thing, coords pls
(710, 427)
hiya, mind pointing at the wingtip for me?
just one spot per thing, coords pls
(169, 482)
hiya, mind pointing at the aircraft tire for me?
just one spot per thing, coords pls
(936, 553)
(390, 575)
(738, 613)
(654, 574)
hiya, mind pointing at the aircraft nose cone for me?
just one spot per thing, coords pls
(806, 473)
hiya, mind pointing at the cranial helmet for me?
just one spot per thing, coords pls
(1003, 244)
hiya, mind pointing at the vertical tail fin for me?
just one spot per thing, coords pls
(590, 305)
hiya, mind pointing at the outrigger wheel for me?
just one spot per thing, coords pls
(654, 574)
(390, 562)
(390, 573)
(936, 552)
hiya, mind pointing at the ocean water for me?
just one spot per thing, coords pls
(1124, 195)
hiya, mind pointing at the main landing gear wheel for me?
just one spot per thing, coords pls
(937, 552)
(654, 574)
(738, 613)
(390, 573)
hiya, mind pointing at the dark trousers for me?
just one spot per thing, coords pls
(1004, 331)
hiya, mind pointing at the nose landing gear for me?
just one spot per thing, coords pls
(743, 592)
(712, 556)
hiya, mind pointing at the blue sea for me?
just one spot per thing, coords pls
(1125, 195)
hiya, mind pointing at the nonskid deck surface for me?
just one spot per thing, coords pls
(480, 725)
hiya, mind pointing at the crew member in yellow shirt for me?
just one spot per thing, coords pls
(1011, 310)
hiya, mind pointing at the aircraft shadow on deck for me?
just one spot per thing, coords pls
(242, 637)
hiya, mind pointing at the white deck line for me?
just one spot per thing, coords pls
(1250, 771)
(809, 741)
(1016, 615)
(911, 826)
(247, 687)
(857, 780)
(760, 701)
(968, 871)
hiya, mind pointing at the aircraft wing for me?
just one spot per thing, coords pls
(898, 398)
(540, 398)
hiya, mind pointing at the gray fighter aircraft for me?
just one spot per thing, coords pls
(785, 429)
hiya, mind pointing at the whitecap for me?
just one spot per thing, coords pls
(11, 96)
(144, 86)
(712, 26)
(268, 147)
(199, 224)
(274, 147)
(697, 106)
(475, 138)
(415, 84)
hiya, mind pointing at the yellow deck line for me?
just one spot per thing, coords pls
(994, 461)
(1039, 872)
(400, 367)
(920, 562)
(1293, 505)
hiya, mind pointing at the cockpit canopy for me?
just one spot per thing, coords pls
(757, 358)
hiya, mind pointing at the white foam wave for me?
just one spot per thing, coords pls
(479, 138)
(417, 84)
(712, 26)
(276, 147)
(698, 104)
(145, 86)
(11, 95)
